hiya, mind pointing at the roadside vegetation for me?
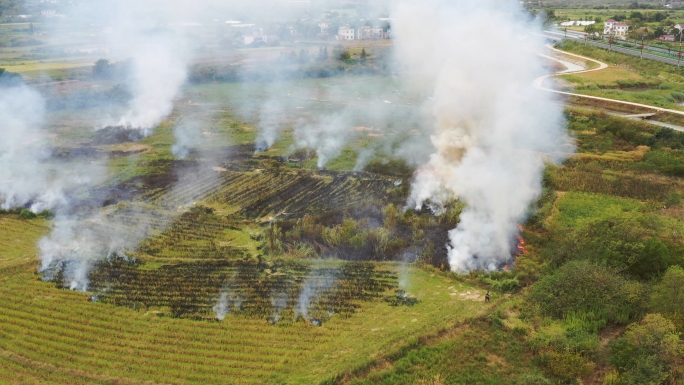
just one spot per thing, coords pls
(628, 78)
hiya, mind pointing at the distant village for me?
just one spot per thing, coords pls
(633, 25)
(310, 25)
(252, 34)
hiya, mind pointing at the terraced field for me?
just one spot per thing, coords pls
(57, 336)
(200, 300)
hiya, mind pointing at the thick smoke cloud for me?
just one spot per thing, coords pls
(479, 132)
(491, 130)
(28, 177)
(460, 106)
(22, 146)
(159, 57)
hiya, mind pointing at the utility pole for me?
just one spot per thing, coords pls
(679, 58)
(679, 27)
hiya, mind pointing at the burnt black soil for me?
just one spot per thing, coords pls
(116, 135)
(253, 287)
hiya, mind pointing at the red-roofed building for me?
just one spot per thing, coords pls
(613, 28)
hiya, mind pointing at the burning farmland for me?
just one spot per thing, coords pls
(452, 162)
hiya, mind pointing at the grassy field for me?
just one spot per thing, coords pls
(59, 336)
(628, 78)
(115, 334)
(227, 223)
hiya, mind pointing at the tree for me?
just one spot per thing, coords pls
(581, 286)
(9, 79)
(550, 14)
(658, 31)
(292, 57)
(363, 55)
(323, 53)
(27, 214)
(304, 57)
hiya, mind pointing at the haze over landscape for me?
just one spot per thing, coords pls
(472, 191)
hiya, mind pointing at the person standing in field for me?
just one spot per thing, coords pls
(487, 296)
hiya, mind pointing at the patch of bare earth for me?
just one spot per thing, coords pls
(602, 368)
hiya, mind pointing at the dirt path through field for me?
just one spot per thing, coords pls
(538, 84)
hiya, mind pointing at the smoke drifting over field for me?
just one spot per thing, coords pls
(461, 108)
(26, 176)
(490, 130)
(159, 59)
(480, 133)
(22, 145)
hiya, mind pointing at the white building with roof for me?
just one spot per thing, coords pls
(614, 28)
(345, 33)
(370, 33)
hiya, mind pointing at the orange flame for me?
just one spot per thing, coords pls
(431, 170)
(521, 242)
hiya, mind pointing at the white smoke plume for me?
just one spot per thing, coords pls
(491, 130)
(159, 71)
(77, 243)
(313, 286)
(188, 135)
(22, 145)
(279, 302)
(148, 34)
(226, 303)
(28, 177)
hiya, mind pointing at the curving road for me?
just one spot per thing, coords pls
(538, 84)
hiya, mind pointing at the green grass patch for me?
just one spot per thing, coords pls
(575, 206)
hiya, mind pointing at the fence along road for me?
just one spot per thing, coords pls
(648, 54)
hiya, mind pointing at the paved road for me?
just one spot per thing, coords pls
(648, 47)
(557, 36)
(538, 84)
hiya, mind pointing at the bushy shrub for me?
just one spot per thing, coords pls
(27, 214)
(502, 284)
(667, 297)
(582, 286)
(647, 352)
(568, 366)
(533, 379)
(627, 242)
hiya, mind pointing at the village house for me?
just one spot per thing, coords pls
(370, 33)
(48, 13)
(258, 36)
(345, 33)
(324, 27)
(616, 29)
